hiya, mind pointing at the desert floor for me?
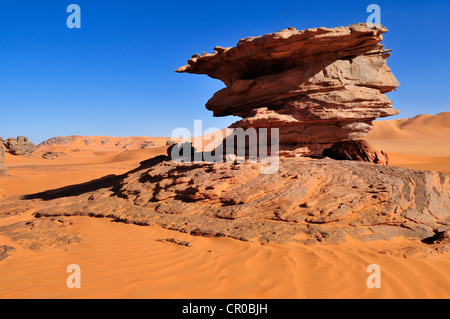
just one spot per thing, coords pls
(127, 261)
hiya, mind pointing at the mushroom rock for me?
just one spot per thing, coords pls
(318, 86)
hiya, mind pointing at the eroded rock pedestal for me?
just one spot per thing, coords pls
(318, 86)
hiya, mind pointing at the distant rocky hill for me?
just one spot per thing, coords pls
(100, 143)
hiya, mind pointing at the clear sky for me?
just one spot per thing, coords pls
(115, 76)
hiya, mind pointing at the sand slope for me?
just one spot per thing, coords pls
(128, 261)
(422, 142)
(27, 175)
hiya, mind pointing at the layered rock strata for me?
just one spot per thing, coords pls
(318, 86)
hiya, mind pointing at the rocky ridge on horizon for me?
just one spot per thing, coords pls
(100, 143)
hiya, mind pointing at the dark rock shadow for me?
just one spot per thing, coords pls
(439, 238)
(109, 181)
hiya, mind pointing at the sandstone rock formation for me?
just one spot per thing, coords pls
(19, 146)
(2, 160)
(308, 201)
(318, 86)
(59, 140)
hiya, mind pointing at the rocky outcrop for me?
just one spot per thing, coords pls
(19, 146)
(318, 86)
(59, 140)
(41, 234)
(53, 155)
(429, 251)
(99, 143)
(308, 200)
(149, 144)
(2, 160)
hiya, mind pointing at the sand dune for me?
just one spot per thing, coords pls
(138, 155)
(34, 174)
(422, 142)
(428, 163)
(128, 261)
(423, 135)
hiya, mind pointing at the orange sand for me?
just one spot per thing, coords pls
(28, 175)
(422, 142)
(126, 261)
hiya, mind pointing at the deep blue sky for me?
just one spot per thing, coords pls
(115, 76)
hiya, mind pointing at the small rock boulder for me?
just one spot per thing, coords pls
(148, 144)
(181, 151)
(358, 150)
(19, 146)
(442, 237)
(53, 155)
